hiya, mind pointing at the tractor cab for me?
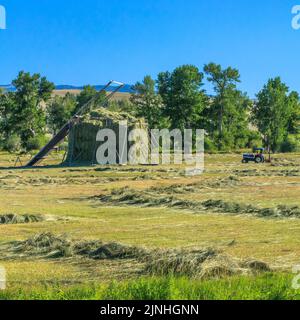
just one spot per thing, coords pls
(257, 156)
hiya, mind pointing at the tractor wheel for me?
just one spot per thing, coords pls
(244, 161)
(258, 160)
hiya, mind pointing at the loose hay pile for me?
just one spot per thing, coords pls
(45, 244)
(16, 219)
(203, 264)
(200, 264)
(175, 262)
(51, 246)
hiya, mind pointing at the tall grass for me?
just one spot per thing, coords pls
(266, 287)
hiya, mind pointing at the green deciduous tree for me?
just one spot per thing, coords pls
(85, 96)
(182, 95)
(123, 105)
(6, 103)
(294, 105)
(227, 114)
(148, 104)
(224, 83)
(25, 108)
(60, 110)
(272, 112)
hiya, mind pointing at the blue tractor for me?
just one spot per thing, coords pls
(257, 157)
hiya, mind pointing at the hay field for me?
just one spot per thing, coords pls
(65, 226)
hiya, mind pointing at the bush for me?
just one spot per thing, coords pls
(36, 143)
(13, 143)
(209, 145)
(254, 140)
(291, 144)
(226, 142)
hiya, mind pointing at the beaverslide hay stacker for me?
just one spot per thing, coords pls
(64, 131)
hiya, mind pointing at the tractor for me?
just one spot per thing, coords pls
(257, 157)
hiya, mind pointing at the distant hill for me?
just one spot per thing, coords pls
(117, 97)
(7, 87)
(126, 89)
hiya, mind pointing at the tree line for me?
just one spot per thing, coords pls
(175, 100)
(230, 118)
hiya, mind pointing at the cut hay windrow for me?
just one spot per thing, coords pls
(195, 187)
(267, 173)
(116, 251)
(51, 246)
(148, 198)
(19, 219)
(99, 250)
(197, 263)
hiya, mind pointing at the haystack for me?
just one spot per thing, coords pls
(82, 138)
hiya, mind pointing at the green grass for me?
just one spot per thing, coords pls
(266, 287)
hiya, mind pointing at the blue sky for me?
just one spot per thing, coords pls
(92, 41)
